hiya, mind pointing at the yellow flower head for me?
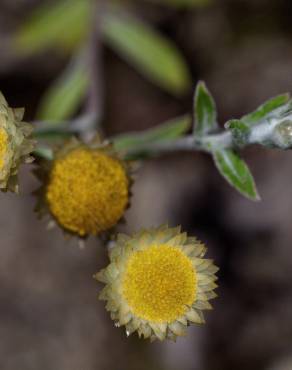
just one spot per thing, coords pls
(87, 189)
(158, 282)
(15, 145)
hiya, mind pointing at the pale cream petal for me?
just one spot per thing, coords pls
(124, 313)
(111, 305)
(177, 240)
(189, 249)
(177, 328)
(132, 326)
(124, 308)
(202, 305)
(171, 336)
(120, 266)
(204, 265)
(159, 329)
(133, 244)
(164, 234)
(114, 316)
(199, 250)
(115, 252)
(210, 295)
(202, 296)
(101, 276)
(112, 270)
(195, 316)
(116, 286)
(162, 326)
(197, 262)
(192, 240)
(207, 287)
(182, 320)
(212, 270)
(144, 330)
(122, 238)
(103, 295)
(205, 279)
(124, 318)
(144, 240)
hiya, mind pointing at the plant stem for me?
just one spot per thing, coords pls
(207, 143)
(263, 134)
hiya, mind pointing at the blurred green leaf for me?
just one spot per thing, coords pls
(266, 109)
(52, 134)
(204, 110)
(62, 24)
(44, 152)
(183, 3)
(64, 96)
(170, 130)
(152, 54)
(236, 172)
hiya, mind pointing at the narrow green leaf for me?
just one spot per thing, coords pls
(153, 55)
(183, 3)
(64, 96)
(62, 24)
(167, 131)
(204, 110)
(52, 134)
(266, 109)
(44, 152)
(236, 172)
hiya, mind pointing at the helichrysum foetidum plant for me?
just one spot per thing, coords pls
(158, 282)
(16, 145)
(86, 188)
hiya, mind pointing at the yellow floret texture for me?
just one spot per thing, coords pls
(88, 191)
(159, 283)
(3, 147)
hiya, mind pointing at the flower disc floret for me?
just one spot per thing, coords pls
(158, 282)
(3, 147)
(87, 191)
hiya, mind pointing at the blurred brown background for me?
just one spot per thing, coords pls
(50, 318)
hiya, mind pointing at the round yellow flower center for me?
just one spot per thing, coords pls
(3, 146)
(87, 191)
(159, 283)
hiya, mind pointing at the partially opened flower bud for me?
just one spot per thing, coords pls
(158, 282)
(16, 145)
(86, 188)
(282, 134)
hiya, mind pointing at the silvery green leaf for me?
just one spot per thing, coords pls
(236, 172)
(148, 51)
(266, 110)
(62, 24)
(169, 130)
(205, 113)
(65, 95)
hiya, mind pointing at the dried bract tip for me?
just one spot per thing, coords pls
(16, 145)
